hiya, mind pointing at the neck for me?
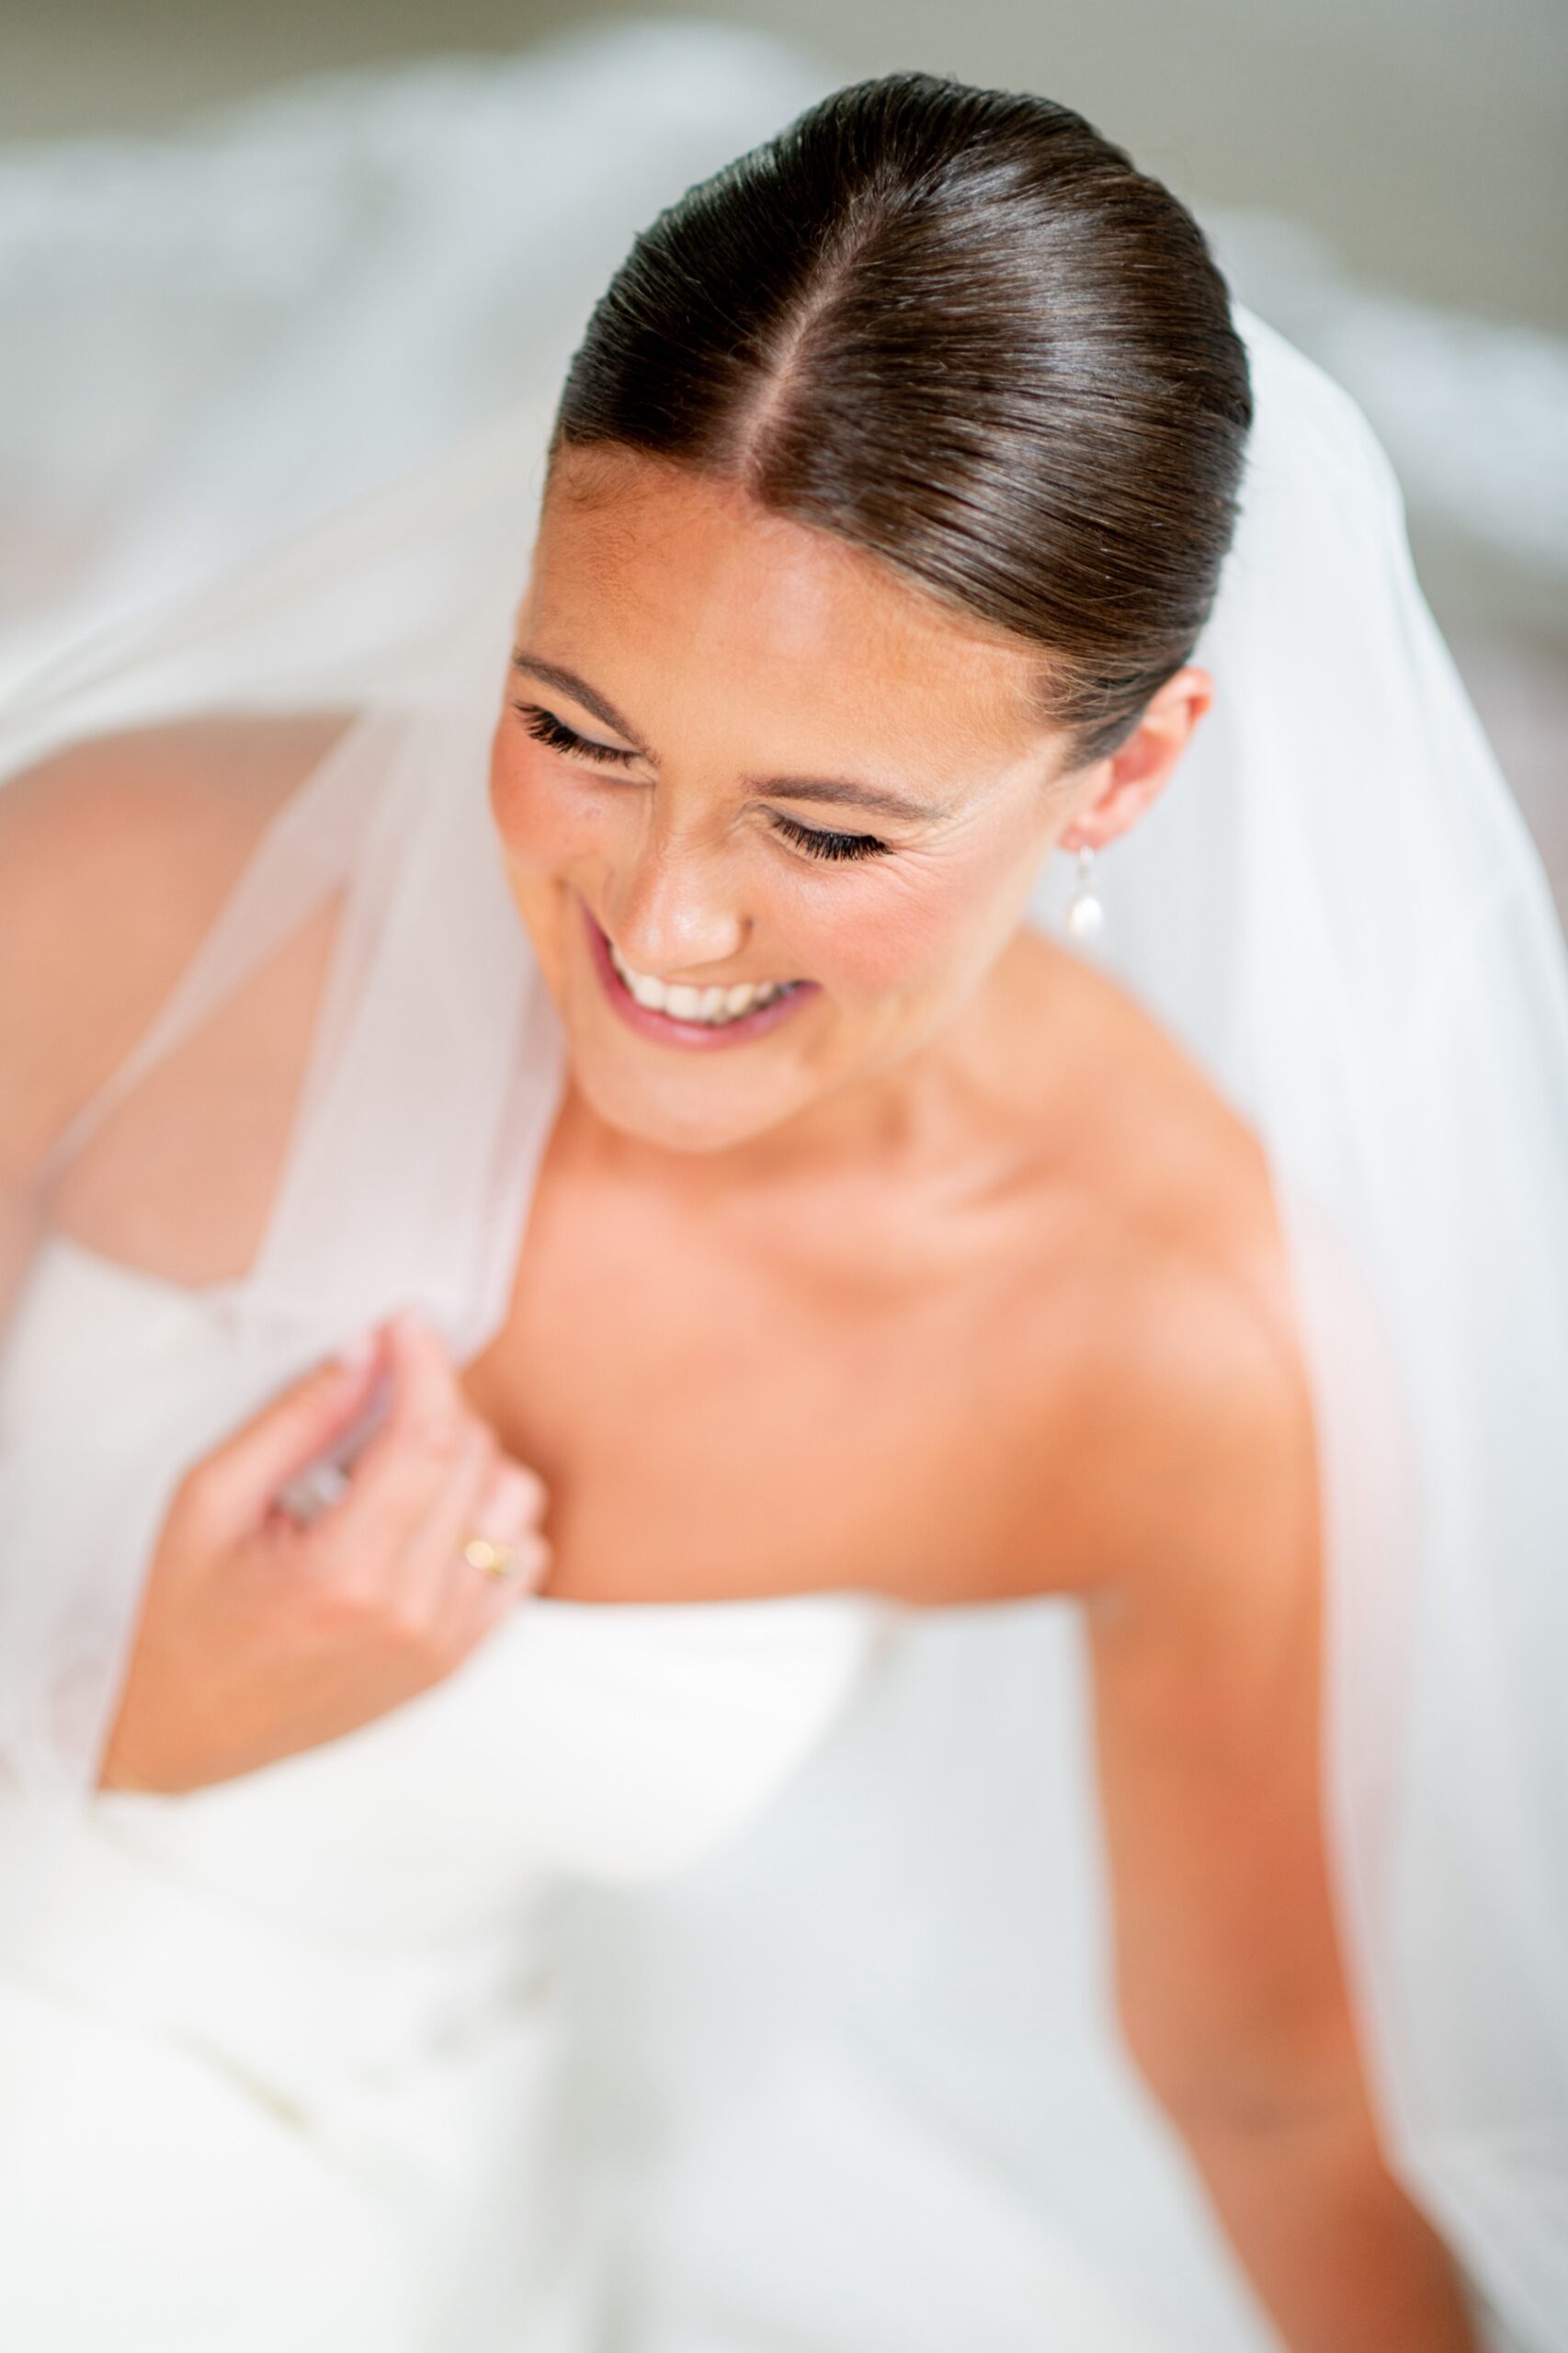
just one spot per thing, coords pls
(925, 1113)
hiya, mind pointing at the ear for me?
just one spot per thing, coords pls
(1120, 787)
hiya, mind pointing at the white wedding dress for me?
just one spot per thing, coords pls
(285, 2068)
(401, 2044)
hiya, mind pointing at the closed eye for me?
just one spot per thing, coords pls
(823, 845)
(545, 728)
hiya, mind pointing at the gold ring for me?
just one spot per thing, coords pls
(502, 1561)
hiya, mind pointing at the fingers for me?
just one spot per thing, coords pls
(429, 1433)
(421, 1486)
(429, 1596)
(440, 1600)
(506, 1511)
(509, 1510)
(263, 1636)
(430, 1477)
(234, 1484)
(426, 1391)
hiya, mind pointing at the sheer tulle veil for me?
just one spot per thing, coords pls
(1336, 909)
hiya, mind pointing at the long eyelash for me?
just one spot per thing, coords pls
(823, 845)
(545, 728)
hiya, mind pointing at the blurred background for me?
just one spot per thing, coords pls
(190, 193)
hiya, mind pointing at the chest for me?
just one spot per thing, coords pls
(715, 1419)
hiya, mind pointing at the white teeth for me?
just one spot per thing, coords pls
(714, 1004)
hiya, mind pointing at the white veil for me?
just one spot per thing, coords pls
(1338, 911)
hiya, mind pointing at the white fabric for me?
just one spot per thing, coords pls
(289, 2051)
(1338, 910)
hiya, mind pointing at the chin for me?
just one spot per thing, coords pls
(677, 1116)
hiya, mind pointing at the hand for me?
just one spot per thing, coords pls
(260, 1637)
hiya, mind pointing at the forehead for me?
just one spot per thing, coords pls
(679, 581)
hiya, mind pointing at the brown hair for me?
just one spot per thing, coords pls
(960, 330)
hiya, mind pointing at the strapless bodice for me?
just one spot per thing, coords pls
(612, 1740)
(354, 1943)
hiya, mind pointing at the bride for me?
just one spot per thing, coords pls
(549, 1229)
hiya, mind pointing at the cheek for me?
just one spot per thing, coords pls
(542, 820)
(906, 931)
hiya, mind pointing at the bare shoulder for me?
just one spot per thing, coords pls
(1203, 1618)
(1182, 1383)
(115, 856)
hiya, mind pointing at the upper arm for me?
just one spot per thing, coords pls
(1206, 1661)
(86, 940)
(115, 856)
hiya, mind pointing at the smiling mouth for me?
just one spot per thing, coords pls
(715, 1006)
(681, 1013)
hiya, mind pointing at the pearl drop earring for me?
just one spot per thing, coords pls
(1086, 916)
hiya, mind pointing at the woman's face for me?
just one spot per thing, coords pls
(737, 754)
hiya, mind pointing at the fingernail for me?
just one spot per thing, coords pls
(515, 1497)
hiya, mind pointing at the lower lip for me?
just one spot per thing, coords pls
(667, 1030)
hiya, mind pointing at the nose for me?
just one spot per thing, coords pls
(670, 913)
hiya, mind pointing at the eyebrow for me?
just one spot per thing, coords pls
(551, 673)
(844, 792)
(840, 791)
